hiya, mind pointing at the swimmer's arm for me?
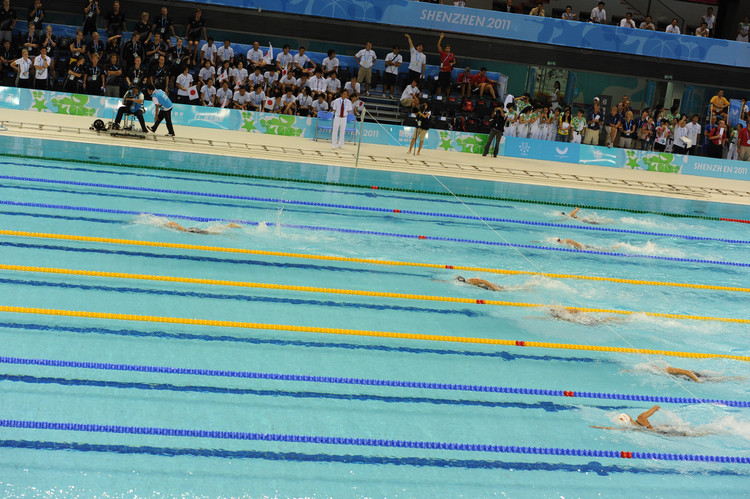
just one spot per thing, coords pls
(574, 213)
(486, 284)
(684, 372)
(643, 417)
(175, 225)
(606, 428)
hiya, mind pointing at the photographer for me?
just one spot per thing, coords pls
(497, 126)
(132, 103)
(423, 124)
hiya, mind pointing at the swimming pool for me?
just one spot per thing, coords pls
(110, 417)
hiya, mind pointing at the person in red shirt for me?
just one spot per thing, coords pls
(717, 138)
(465, 80)
(743, 144)
(447, 61)
(484, 83)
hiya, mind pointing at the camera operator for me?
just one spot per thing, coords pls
(132, 103)
(497, 126)
(423, 124)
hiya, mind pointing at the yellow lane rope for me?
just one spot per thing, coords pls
(130, 242)
(314, 289)
(359, 332)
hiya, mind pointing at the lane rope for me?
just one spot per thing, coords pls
(375, 233)
(369, 208)
(106, 366)
(360, 186)
(360, 332)
(355, 292)
(157, 244)
(362, 442)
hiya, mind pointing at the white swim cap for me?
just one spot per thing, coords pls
(624, 417)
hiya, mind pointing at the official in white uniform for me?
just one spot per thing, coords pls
(342, 107)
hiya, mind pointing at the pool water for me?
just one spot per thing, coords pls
(52, 197)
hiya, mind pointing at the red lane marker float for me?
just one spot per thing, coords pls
(481, 302)
(735, 220)
(396, 211)
(520, 343)
(422, 237)
(569, 394)
(626, 455)
(374, 186)
(449, 266)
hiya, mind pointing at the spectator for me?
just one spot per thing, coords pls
(693, 133)
(646, 133)
(176, 56)
(183, 82)
(22, 67)
(255, 57)
(594, 124)
(661, 135)
(74, 80)
(459, 3)
(524, 121)
(353, 86)
(717, 138)
(7, 55)
(164, 26)
(627, 22)
(241, 99)
(143, 27)
(628, 129)
(31, 40)
(208, 52)
(257, 98)
(366, 59)
(719, 104)
(225, 53)
(318, 83)
(743, 29)
(497, 126)
(224, 96)
(673, 28)
(156, 49)
(555, 96)
(89, 17)
(538, 10)
(598, 14)
(288, 104)
(93, 78)
(137, 74)
(392, 63)
(256, 78)
(41, 66)
(333, 86)
(8, 20)
(224, 73)
(447, 61)
(509, 7)
(302, 64)
(240, 77)
(302, 82)
(418, 61)
(703, 31)
(648, 24)
(578, 124)
(511, 118)
(288, 82)
(330, 64)
(304, 102)
(484, 83)
(423, 125)
(743, 144)
(410, 95)
(563, 126)
(49, 41)
(569, 15)
(132, 49)
(270, 105)
(320, 105)
(705, 147)
(113, 73)
(37, 15)
(159, 75)
(733, 137)
(115, 20)
(77, 49)
(710, 19)
(196, 26)
(285, 61)
(271, 78)
(465, 80)
(95, 46)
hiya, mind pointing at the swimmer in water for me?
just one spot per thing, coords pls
(642, 423)
(588, 220)
(699, 377)
(578, 316)
(198, 230)
(572, 214)
(480, 283)
(571, 243)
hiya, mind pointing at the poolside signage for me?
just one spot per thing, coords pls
(565, 152)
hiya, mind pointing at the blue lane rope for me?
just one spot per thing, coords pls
(370, 233)
(370, 208)
(365, 442)
(365, 381)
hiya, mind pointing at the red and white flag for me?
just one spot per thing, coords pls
(193, 92)
(268, 58)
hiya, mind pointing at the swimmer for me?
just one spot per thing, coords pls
(699, 377)
(587, 220)
(480, 283)
(578, 316)
(642, 423)
(571, 243)
(572, 214)
(198, 230)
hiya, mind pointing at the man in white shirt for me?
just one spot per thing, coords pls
(285, 60)
(271, 77)
(418, 61)
(317, 83)
(288, 103)
(319, 105)
(225, 53)
(330, 64)
(41, 65)
(241, 99)
(288, 82)
(224, 95)
(693, 133)
(673, 28)
(255, 57)
(257, 78)
(208, 51)
(342, 107)
(410, 95)
(627, 22)
(257, 98)
(710, 20)
(184, 81)
(206, 72)
(208, 93)
(599, 15)
(333, 86)
(366, 59)
(301, 61)
(353, 87)
(392, 63)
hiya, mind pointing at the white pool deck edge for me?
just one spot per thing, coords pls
(33, 124)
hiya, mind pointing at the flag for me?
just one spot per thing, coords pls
(193, 92)
(268, 58)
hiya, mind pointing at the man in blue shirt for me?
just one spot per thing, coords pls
(163, 109)
(132, 103)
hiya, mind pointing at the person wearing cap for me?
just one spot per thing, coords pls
(642, 419)
(132, 103)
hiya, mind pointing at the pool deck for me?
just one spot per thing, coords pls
(388, 158)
